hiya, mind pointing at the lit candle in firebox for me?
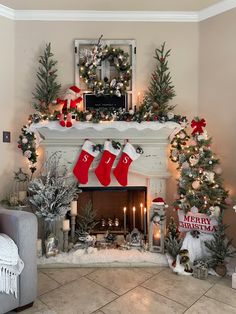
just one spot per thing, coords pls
(141, 212)
(124, 221)
(144, 221)
(134, 209)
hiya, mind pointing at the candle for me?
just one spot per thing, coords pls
(124, 220)
(141, 212)
(39, 247)
(234, 281)
(134, 209)
(138, 98)
(22, 195)
(157, 238)
(144, 221)
(73, 208)
(66, 225)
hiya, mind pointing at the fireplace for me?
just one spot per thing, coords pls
(109, 203)
(147, 175)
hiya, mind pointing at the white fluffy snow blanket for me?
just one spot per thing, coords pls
(10, 265)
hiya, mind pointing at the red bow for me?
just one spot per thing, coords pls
(198, 126)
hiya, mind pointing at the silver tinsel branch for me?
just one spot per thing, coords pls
(53, 190)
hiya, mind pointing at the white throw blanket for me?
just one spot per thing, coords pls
(10, 265)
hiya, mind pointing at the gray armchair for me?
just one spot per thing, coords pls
(22, 228)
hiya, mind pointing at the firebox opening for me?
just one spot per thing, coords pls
(109, 204)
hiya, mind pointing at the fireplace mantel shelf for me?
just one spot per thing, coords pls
(52, 131)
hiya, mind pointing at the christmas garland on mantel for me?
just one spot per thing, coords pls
(27, 138)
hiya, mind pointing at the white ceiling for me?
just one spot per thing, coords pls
(110, 5)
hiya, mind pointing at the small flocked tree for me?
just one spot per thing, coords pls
(86, 220)
(219, 246)
(161, 90)
(47, 88)
(200, 182)
(173, 242)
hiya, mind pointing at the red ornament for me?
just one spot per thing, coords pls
(155, 118)
(20, 146)
(198, 126)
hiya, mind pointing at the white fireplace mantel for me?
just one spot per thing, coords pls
(149, 170)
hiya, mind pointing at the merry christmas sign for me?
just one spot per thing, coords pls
(196, 221)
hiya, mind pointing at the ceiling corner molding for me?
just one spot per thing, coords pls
(106, 16)
(7, 12)
(216, 9)
(117, 16)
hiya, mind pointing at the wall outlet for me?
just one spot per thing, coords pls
(6, 137)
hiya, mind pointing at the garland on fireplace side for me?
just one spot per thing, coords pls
(48, 105)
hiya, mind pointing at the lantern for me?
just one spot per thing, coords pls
(157, 225)
(18, 195)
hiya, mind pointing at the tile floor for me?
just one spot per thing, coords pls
(155, 290)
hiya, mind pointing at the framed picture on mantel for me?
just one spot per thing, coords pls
(93, 102)
(105, 69)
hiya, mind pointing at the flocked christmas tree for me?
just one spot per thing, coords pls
(161, 90)
(47, 88)
(200, 182)
(219, 246)
(173, 243)
(86, 220)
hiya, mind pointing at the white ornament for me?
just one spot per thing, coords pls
(194, 210)
(118, 93)
(131, 111)
(88, 117)
(209, 175)
(215, 211)
(27, 153)
(24, 140)
(170, 115)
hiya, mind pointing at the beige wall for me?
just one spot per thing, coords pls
(7, 151)
(217, 101)
(32, 36)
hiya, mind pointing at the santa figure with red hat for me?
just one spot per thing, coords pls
(71, 100)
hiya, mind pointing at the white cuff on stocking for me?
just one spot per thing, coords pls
(131, 151)
(88, 147)
(108, 146)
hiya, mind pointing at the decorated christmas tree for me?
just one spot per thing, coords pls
(200, 183)
(161, 90)
(47, 88)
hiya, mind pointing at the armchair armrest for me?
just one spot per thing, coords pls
(22, 228)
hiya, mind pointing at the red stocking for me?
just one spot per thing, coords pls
(86, 157)
(129, 154)
(103, 170)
